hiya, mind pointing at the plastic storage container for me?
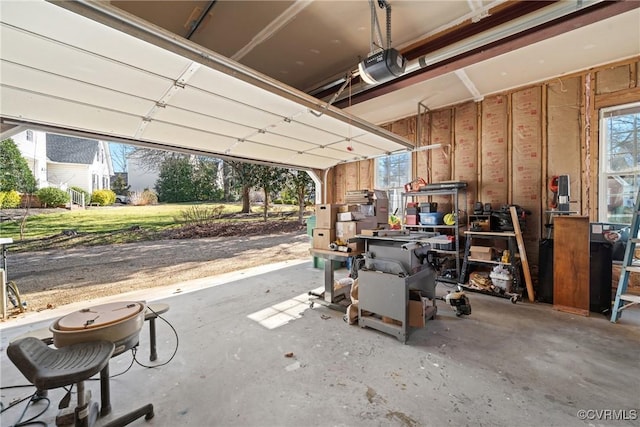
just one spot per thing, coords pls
(501, 280)
(431, 218)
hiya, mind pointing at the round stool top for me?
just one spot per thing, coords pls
(153, 310)
(99, 315)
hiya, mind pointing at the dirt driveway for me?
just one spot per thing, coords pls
(50, 278)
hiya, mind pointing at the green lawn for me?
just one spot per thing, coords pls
(105, 220)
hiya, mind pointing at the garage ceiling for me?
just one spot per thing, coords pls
(180, 74)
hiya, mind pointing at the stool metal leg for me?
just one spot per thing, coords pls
(146, 410)
(105, 397)
(152, 334)
(86, 413)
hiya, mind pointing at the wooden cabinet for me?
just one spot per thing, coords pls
(571, 264)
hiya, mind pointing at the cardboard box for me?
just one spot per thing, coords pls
(350, 216)
(382, 211)
(342, 288)
(381, 206)
(348, 208)
(484, 253)
(326, 215)
(322, 237)
(416, 314)
(344, 216)
(348, 229)
(357, 246)
(416, 310)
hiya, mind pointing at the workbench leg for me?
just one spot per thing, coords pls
(328, 280)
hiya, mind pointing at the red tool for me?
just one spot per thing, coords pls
(414, 185)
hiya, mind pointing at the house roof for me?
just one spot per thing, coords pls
(69, 149)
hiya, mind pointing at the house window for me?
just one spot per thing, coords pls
(29, 135)
(619, 162)
(391, 173)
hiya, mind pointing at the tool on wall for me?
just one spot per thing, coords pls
(553, 187)
(560, 187)
(414, 185)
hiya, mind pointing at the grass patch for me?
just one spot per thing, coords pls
(112, 224)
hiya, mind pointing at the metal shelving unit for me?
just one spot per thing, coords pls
(514, 264)
(458, 198)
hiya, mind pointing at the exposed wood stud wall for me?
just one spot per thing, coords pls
(563, 135)
(465, 152)
(526, 157)
(509, 145)
(494, 183)
(589, 142)
(440, 160)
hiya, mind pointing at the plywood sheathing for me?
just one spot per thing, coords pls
(526, 158)
(625, 76)
(465, 150)
(494, 183)
(441, 133)
(614, 79)
(564, 155)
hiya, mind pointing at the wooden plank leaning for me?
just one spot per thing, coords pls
(523, 253)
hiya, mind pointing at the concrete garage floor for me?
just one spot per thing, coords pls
(505, 365)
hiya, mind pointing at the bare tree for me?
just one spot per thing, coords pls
(119, 155)
(150, 159)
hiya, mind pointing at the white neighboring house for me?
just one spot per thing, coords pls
(33, 147)
(139, 176)
(65, 161)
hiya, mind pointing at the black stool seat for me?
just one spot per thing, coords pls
(48, 368)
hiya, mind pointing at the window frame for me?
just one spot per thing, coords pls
(628, 195)
(394, 191)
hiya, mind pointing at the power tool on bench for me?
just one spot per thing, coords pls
(340, 246)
